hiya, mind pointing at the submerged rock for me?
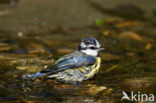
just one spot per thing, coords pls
(30, 63)
(113, 20)
(112, 68)
(80, 99)
(30, 68)
(148, 46)
(5, 47)
(131, 35)
(35, 48)
(31, 60)
(139, 84)
(94, 89)
(123, 24)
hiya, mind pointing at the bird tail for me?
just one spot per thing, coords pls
(32, 76)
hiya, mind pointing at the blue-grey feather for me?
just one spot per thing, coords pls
(76, 60)
(32, 76)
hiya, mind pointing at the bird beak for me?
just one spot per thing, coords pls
(101, 49)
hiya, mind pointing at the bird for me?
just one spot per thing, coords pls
(77, 66)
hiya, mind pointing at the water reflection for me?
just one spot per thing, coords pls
(128, 61)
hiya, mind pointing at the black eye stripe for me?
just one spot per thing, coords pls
(92, 47)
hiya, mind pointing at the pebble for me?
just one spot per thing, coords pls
(131, 35)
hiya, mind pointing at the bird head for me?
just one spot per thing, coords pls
(90, 46)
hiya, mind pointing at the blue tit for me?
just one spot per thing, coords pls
(77, 66)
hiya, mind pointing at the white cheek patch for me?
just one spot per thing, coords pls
(91, 46)
(90, 52)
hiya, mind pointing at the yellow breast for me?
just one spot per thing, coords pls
(94, 68)
(81, 73)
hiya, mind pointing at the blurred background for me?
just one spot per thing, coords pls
(35, 33)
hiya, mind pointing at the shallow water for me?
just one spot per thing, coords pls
(128, 61)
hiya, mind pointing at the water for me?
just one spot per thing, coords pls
(128, 61)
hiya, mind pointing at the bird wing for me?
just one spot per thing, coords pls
(70, 63)
(65, 57)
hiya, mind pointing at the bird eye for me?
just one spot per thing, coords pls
(93, 47)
